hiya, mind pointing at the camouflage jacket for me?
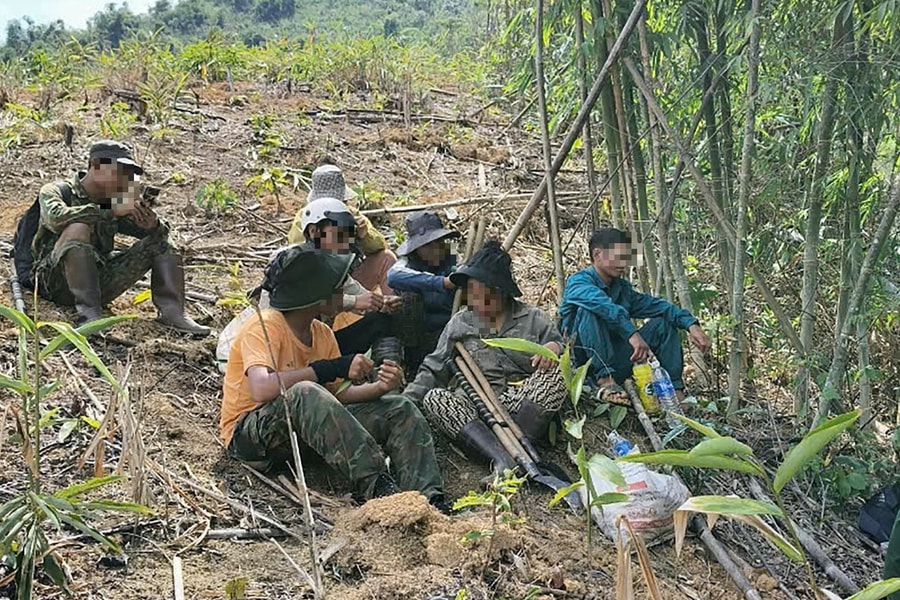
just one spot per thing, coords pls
(56, 215)
(500, 367)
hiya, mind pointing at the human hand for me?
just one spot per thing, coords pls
(449, 285)
(390, 376)
(362, 228)
(391, 304)
(699, 338)
(544, 363)
(369, 302)
(641, 349)
(360, 367)
(144, 217)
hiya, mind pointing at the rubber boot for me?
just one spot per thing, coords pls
(384, 486)
(477, 439)
(167, 288)
(534, 420)
(83, 279)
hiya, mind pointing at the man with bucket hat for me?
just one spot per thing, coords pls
(73, 247)
(285, 366)
(531, 388)
(328, 182)
(422, 276)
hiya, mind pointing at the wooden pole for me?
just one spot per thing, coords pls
(575, 129)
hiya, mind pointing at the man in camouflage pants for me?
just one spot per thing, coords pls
(285, 368)
(73, 247)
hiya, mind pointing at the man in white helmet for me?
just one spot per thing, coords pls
(328, 182)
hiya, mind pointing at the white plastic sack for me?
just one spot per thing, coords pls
(653, 498)
(226, 338)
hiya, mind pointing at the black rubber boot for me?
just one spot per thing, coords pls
(534, 420)
(439, 501)
(477, 439)
(167, 288)
(83, 279)
(384, 486)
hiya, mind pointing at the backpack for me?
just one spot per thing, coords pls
(26, 229)
(877, 515)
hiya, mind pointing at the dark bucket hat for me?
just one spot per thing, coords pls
(115, 151)
(491, 266)
(423, 228)
(300, 276)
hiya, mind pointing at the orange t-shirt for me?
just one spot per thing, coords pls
(249, 349)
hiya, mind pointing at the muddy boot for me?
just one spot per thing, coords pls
(167, 287)
(534, 420)
(387, 348)
(477, 439)
(83, 279)
(384, 486)
(439, 501)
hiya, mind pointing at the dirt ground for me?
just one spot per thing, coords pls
(391, 548)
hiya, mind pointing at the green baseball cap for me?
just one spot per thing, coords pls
(115, 151)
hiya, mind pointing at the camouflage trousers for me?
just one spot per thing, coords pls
(451, 410)
(117, 273)
(351, 438)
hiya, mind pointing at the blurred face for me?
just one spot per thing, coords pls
(330, 237)
(486, 302)
(115, 180)
(433, 253)
(333, 305)
(611, 263)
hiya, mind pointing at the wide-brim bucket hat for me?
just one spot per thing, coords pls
(328, 182)
(423, 228)
(301, 276)
(492, 266)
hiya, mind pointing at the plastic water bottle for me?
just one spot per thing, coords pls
(620, 445)
(665, 394)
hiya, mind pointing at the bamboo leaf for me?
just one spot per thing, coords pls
(730, 505)
(560, 494)
(79, 341)
(682, 458)
(86, 330)
(141, 297)
(721, 446)
(19, 319)
(578, 382)
(609, 498)
(607, 469)
(76, 522)
(810, 446)
(113, 505)
(48, 511)
(878, 590)
(16, 385)
(77, 489)
(780, 542)
(520, 345)
(56, 573)
(706, 430)
(574, 428)
(66, 429)
(617, 414)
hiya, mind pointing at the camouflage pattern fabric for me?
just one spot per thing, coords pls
(117, 273)
(451, 410)
(353, 438)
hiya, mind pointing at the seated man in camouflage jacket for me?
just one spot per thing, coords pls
(73, 247)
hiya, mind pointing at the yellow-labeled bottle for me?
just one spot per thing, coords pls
(643, 381)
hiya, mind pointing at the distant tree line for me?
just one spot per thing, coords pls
(452, 23)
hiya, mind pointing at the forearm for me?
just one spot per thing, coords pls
(361, 393)
(268, 387)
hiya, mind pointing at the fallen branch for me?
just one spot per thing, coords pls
(177, 578)
(238, 533)
(209, 298)
(812, 546)
(484, 199)
(697, 524)
(287, 493)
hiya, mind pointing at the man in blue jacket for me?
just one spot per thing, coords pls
(422, 277)
(597, 309)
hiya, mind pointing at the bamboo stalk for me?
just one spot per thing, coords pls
(483, 199)
(550, 176)
(470, 245)
(177, 578)
(574, 129)
(697, 524)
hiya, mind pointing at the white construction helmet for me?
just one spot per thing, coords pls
(327, 209)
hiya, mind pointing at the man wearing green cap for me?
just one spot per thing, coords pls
(285, 367)
(73, 246)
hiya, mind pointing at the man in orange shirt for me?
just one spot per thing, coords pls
(286, 366)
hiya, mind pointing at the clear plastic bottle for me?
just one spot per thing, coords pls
(665, 394)
(620, 445)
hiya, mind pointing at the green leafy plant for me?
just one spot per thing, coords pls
(597, 463)
(270, 181)
(498, 499)
(724, 452)
(216, 198)
(117, 120)
(23, 541)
